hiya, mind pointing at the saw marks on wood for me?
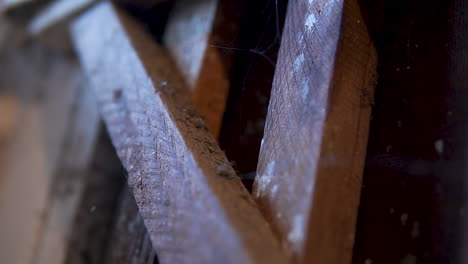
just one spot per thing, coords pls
(312, 155)
(187, 193)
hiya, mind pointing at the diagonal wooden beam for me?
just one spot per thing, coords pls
(195, 208)
(312, 155)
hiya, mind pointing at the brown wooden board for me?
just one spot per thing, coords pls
(195, 208)
(312, 155)
(412, 205)
(130, 241)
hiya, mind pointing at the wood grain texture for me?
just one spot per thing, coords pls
(130, 241)
(312, 155)
(188, 38)
(188, 195)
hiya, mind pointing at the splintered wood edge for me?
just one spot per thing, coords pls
(194, 207)
(187, 38)
(312, 154)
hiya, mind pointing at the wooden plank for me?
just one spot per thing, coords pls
(30, 157)
(184, 187)
(130, 237)
(70, 179)
(92, 226)
(57, 12)
(20, 7)
(188, 37)
(312, 155)
(8, 116)
(130, 241)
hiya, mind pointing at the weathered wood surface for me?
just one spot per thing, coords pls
(188, 37)
(130, 238)
(312, 155)
(188, 195)
(130, 241)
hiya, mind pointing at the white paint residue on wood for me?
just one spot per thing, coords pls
(265, 179)
(310, 21)
(298, 62)
(296, 235)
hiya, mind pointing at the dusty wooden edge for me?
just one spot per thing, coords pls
(312, 155)
(130, 235)
(188, 38)
(185, 188)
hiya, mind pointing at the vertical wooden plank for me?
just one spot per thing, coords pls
(185, 188)
(70, 178)
(56, 12)
(312, 155)
(30, 157)
(188, 37)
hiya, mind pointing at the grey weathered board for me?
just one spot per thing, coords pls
(202, 67)
(195, 208)
(312, 155)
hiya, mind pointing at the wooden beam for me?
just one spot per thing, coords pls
(188, 38)
(312, 155)
(70, 178)
(57, 12)
(30, 156)
(188, 195)
(130, 241)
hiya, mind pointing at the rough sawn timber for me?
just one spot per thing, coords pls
(313, 151)
(195, 208)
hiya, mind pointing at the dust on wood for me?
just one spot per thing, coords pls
(312, 154)
(171, 163)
